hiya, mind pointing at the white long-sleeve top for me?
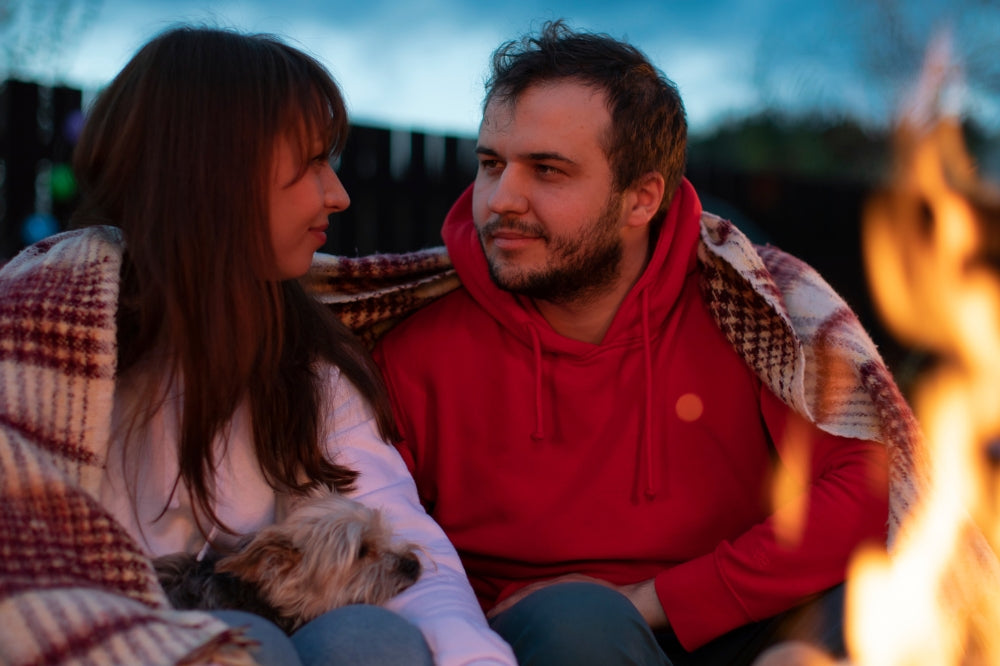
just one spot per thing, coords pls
(441, 603)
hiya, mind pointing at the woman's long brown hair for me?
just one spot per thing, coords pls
(178, 152)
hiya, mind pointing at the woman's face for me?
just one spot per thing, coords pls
(300, 205)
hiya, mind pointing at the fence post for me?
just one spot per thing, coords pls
(20, 151)
(36, 146)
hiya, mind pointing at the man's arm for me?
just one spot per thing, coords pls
(839, 502)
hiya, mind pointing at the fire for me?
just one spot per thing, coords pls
(934, 598)
(789, 494)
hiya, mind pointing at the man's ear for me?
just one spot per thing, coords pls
(644, 198)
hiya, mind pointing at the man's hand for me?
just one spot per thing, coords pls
(642, 595)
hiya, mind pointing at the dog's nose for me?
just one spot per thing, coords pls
(409, 566)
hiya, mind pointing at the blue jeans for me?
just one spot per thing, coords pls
(579, 624)
(358, 635)
(584, 624)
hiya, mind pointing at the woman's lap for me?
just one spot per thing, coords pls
(360, 635)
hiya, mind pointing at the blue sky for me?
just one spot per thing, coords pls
(421, 64)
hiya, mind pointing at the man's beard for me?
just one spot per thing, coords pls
(578, 267)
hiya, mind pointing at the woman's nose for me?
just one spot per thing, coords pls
(335, 195)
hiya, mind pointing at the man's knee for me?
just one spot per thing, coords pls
(577, 623)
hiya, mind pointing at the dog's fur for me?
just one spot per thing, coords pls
(330, 551)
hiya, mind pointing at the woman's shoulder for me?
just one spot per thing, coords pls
(68, 251)
(343, 400)
(67, 282)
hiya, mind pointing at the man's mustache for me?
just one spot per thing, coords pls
(512, 224)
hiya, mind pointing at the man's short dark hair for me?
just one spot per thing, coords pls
(648, 125)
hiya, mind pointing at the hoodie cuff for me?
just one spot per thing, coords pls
(698, 603)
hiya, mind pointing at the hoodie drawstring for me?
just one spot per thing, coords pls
(536, 345)
(652, 476)
(647, 450)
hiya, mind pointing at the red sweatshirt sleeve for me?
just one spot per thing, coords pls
(842, 496)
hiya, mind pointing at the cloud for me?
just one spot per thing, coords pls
(421, 65)
(429, 79)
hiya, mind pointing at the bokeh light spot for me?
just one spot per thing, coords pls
(689, 407)
(38, 226)
(73, 125)
(62, 183)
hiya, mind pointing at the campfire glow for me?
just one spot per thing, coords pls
(935, 597)
(789, 494)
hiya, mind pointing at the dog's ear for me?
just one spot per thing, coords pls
(265, 557)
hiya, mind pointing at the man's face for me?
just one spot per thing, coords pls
(548, 218)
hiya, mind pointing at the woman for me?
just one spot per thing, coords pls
(210, 152)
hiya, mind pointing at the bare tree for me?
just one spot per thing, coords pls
(37, 35)
(860, 56)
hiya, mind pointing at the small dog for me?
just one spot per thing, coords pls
(330, 551)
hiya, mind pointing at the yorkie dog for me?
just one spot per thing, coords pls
(330, 551)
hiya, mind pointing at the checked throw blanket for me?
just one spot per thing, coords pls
(75, 587)
(800, 337)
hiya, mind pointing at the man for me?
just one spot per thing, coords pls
(589, 418)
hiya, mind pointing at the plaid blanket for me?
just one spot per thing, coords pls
(800, 337)
(809, 348)
(74, 587)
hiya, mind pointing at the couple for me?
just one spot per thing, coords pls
(595, 420)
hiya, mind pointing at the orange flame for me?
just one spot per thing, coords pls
(789, 496)
(935, 599)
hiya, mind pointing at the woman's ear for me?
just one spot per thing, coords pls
(645, 197)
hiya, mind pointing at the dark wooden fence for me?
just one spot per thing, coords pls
(402, 184)
(817, 220)
(38, 127)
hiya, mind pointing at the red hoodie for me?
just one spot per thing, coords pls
(649, 455)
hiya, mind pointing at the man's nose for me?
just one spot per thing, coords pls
(509, 195)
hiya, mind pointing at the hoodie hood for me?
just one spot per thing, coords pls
(640, 317)
(652, 296)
